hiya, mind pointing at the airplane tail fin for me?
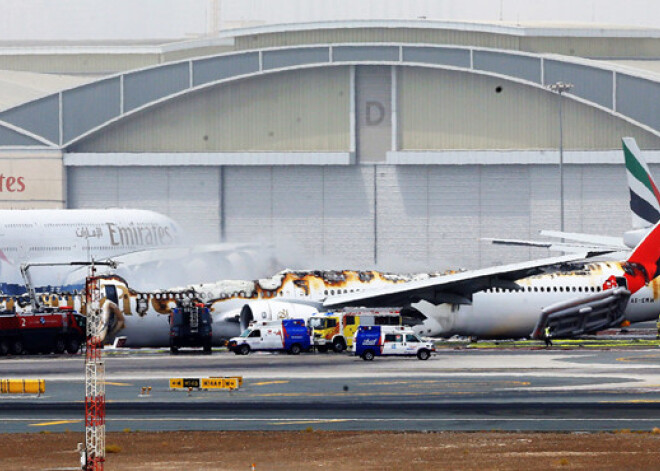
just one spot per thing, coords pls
(644, 194)
(643, 265)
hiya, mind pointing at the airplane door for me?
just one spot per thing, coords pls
(111, 294)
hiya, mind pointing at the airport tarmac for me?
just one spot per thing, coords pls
(540, 390)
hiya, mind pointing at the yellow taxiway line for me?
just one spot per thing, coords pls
(57, 422)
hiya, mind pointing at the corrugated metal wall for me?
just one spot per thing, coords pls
(316, 216)
(440, 109)
(428, 217)
(93, 64)
(569, 45)
(191, 196)
(377, 35)
(291, 111)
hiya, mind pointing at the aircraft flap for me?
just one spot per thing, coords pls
(583, 315)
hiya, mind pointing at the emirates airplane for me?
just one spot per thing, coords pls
(140, 241)
(569, 296)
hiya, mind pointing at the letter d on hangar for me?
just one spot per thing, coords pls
(375, 113)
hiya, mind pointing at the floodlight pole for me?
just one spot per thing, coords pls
(559, 88)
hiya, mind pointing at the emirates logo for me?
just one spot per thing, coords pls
(610, 283)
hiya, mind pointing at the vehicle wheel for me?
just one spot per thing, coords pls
(244, 349)
(338, 345)
(4, 347)
(295, 349)
(17, 347)
(73, 345)
(60, 345)
(322, 348)
(207, 348)
(174, 350)
(423, 354)
(368, 355)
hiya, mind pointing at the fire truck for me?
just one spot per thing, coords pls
(335, 330)
(190, 326)
(45, 331)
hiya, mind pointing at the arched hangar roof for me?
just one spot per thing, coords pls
(61, 119)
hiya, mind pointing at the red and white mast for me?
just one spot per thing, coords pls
(94, 378)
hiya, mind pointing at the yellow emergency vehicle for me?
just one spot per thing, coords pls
(335, 330)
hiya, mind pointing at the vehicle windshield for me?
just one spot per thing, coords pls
(246, 332)
(317, 323)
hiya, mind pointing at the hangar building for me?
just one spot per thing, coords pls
(352, 143)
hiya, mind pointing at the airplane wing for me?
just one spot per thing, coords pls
(591, 239)
(555, 246)
(456, 288)
(583, 315)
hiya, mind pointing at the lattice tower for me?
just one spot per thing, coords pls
(94, 378)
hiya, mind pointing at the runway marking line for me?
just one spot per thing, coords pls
(56, 422)
(445, 383)
(348, 419)
(110, 383)
(312, 421)
(264, 383)
(633, 401)
(638, 358)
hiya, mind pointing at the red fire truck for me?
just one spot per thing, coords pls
(44, 331)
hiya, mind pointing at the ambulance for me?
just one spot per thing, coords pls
(290, 335)
(373, 341)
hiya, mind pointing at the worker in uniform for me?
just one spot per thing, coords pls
(546, 337)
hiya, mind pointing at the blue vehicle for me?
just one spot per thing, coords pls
(377, 340)
(290, 335)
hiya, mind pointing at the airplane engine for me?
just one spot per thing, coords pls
(112, 321)
(273, 310)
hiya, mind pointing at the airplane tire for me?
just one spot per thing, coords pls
(368, 355)
(423, 354)
(295, 349)
(4, 347)
(207, 348)
(60, 345)
(174, 350)
(322, 348)
(17, 347)
(72, 346)
(244, 349)
(338, 345)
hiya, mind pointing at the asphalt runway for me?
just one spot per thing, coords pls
(540, 390)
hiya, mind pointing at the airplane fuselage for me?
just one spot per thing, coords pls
(505, 313)
(75, 235)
